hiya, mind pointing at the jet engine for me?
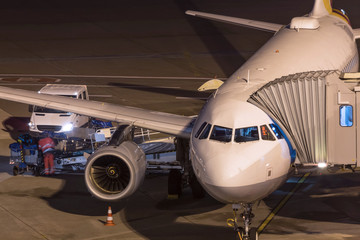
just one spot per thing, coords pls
(115, 171)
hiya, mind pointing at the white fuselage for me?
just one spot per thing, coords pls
(231, 163)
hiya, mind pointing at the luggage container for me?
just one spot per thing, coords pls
(24, 158)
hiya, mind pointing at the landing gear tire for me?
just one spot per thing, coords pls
(253, 235)
(197, 190)
(15, 170)
(175, 182)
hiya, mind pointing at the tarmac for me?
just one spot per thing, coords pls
(148, 54)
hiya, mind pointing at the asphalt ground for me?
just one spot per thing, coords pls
(147, 54)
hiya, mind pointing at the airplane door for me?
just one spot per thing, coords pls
(341, 124)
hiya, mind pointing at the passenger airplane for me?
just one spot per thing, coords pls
(237, 151)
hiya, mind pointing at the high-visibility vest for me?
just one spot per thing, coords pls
(46, 144)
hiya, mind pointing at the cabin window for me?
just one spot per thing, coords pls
(276, 131)
(246, 134)
(206, 132)
(266, 134)
(200, 129)
(346, 115)
(221, 134)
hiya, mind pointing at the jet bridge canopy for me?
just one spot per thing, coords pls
(313, 109)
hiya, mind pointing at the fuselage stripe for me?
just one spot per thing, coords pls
(339, 14)
(328, 5)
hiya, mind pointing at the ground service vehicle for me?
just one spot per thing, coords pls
(46, 119)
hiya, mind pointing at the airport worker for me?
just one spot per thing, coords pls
(47, 146)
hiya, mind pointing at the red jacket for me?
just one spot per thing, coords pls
(46, 144)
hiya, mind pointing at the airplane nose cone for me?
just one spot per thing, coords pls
(230, 194)
(240, 175)
(229, 156)
(225, 181)
(241, 187)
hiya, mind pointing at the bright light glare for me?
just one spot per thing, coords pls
(322, 165)
(67, 127)
(31, 125)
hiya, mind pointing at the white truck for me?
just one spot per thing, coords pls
(45, 119)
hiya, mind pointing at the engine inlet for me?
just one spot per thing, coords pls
(110, 174)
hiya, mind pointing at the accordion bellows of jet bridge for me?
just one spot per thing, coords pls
(302, 105)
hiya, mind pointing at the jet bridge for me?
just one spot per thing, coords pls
(317, 112)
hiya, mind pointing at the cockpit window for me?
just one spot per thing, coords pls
(246, 134)
(266, 134)
(206, 132)
(200, 129)
(276, 131)
(221, 134)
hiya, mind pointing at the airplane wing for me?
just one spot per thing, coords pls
(270, 27)
(356, 33)
(163, 122)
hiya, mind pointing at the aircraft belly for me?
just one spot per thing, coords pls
(244, 194)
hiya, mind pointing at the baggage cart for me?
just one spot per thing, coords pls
(24, 158)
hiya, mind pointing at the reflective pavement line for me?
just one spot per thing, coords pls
(4, 176)
(29, 226)
(281, 204)
(106, 76)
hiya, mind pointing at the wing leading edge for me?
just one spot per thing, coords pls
(265, 26)
(164, 122)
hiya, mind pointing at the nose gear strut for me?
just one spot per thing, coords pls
(244, 233)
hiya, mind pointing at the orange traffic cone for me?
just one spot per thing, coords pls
(109, 219)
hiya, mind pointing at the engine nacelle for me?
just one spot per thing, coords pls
(115, 172)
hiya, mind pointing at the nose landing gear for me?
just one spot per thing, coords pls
(244, 233)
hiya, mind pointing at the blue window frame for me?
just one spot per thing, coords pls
(346, 115)
(276, 131)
